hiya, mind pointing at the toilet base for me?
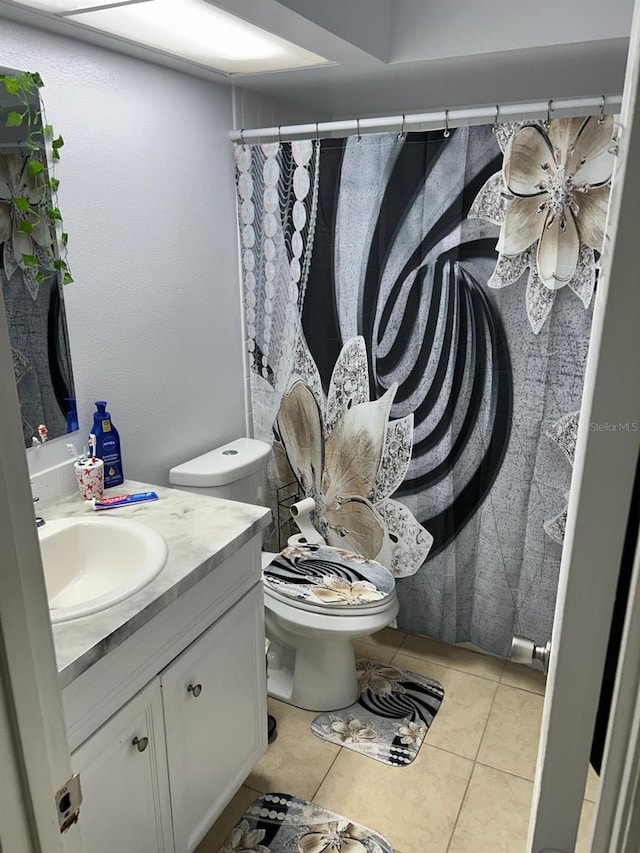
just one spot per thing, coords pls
(318, 677)
(311, 663)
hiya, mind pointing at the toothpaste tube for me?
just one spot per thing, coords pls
(121, 500)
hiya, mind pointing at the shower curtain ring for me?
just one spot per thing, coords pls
(242, 136)
(495, 121)
(279, 134)
(359, 137)
(401, 134)
(603, 102)
(317, 133)
(547, 121)
(447, 132)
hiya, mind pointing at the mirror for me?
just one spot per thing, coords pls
(33, 268)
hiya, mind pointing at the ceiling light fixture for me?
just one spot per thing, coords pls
(194, 30)
(60, 7)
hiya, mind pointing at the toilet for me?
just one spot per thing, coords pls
(317, 598)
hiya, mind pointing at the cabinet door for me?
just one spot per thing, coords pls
(214, 698)
(123, 773)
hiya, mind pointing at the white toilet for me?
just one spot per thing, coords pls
(317, 599)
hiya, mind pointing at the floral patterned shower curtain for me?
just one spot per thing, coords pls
(417, 312)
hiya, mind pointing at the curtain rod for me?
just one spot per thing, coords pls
(437, 118)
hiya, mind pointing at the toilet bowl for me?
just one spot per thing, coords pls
(318, 599)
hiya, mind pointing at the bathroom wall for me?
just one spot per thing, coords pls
(254, 109)
(147, 194)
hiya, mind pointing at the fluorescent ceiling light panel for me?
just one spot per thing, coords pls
(57, 7)
(197, 31)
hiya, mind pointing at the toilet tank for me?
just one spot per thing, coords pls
(236, 471)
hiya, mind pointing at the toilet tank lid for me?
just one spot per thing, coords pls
(221, 466)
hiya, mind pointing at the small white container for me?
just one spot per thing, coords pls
(90, 478)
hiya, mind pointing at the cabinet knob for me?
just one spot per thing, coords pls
(196, 689)
(141, 743)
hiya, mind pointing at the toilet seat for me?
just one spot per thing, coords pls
(325, 610)
(329, 623)
(323, 579)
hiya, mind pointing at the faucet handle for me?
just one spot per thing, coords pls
(39, 521)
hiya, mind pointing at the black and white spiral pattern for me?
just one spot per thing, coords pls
(420, 701)
(427, 324)
(295, 572)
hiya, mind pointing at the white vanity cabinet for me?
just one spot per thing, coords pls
(192, 682)
(214, 720)
(123, 772)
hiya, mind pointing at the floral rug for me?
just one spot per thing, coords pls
(390, 719)
(281, 823)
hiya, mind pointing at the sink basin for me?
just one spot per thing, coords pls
(91, 564)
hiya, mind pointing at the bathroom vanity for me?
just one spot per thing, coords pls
(164, 694)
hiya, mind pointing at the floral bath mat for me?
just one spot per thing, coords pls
(390, 719)
(281, 823)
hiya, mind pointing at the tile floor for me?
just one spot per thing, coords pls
(469, 790)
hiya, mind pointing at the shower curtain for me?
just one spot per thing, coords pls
(417, 311)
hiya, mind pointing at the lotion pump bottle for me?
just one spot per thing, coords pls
(107, 446)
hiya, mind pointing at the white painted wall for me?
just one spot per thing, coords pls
(147, 194)
(257, 109)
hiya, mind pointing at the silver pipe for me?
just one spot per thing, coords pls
(436, 118)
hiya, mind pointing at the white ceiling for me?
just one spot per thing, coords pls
(400, 55)
(394, 56)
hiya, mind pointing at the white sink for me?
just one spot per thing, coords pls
(91, 564)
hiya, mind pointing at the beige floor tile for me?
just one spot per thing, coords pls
(415, 806)
(585, 830)
(592, 790)
(510, 742)
(523, 677)
(216, 836)
(373, 652)
(387, 640)
(495, 814)
(461, 720)
(297, 761)
(454, 657)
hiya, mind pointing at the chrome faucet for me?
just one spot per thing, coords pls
(39, 521)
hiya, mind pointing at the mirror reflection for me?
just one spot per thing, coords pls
(33, 268)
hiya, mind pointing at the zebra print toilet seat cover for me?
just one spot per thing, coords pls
(331, 577)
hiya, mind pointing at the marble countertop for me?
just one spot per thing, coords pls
(201, 532)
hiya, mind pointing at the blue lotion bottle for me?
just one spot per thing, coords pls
(107, 446)
(72, 414)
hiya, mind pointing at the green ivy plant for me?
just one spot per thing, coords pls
(37, 210)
